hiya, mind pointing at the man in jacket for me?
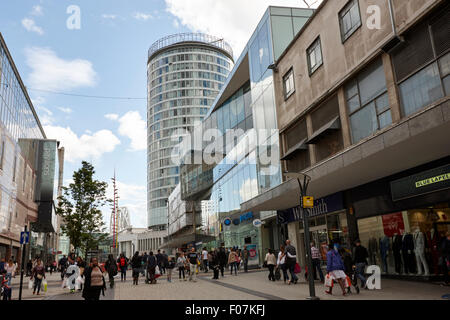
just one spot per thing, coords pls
(123, 265)
(151, 267)
(159, 259)
(291, 260)
(222, 257)
(360, 256)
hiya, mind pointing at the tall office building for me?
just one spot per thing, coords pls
(185, 73)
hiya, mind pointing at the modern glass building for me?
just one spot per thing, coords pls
(249, 161)
(185, 74)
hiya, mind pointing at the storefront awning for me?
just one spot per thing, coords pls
(301, 146)
(334, 124)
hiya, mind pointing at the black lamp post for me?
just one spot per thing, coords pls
(303, 182)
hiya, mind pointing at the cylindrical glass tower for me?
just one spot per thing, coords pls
(185, 73)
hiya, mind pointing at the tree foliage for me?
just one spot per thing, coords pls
(80, 208)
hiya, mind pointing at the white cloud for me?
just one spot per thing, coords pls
(176, 24)
(142, 16)
(132, 126)
(31, 26)
(134, 197)
(84, 147)
(112, 116)
(235, 26)
(65, 110)
(50, 72)
(109, 16)
(37, 11)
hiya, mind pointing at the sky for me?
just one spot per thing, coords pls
(102, 52)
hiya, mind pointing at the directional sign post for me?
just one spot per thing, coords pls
(24, 239)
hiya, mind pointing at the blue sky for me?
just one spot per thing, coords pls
(107, 57)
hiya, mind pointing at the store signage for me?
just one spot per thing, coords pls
(236, 222)
(321, 207)
(393, 224)
(426, 182)
(227, 221)
(246, 216)
(257, 223)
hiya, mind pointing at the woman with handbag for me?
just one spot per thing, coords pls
(38, 273)
(94, 282)
(281, 263)
(232, 261)
(271, 263)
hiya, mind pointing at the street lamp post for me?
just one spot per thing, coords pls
(305, 213)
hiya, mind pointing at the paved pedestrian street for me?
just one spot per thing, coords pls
(245, 286)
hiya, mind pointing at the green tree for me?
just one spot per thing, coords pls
(80, 208)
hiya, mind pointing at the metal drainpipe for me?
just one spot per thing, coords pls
(391, 13)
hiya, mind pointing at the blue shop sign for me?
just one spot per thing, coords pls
(246, 216)
(322, 207)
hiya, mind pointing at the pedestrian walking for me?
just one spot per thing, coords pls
(349, 269)
(244, 258)
(335, 268)
(193, 265)
(111, 268)
(2, 265)
(360, 256)
(81, 266)
(315, 255)
(205, 260)
(165, 260)
(62, 266)
(144, 263)
(281, 263)
(38, 273)
(222, 256)
(291, 260)
(271, 262)
(170, 266)
(159, 259)
(10, 271)
(152, 263)
(181, 264)
(232, 261)
(94, 281)
(136, 266)
(5, 290)
(215, 263)
(123, 264)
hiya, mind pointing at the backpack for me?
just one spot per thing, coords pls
(123, 262)
(112, 270)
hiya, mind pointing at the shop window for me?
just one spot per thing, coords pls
(289, 85)
(367, 102)
(421, 62)
(349, 19)
(314, 54)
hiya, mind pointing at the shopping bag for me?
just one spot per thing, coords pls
(297, 268)
(348, 282)
(329, 281)
(157, 272)
(44, 285)
(78, 282)
(30, 284)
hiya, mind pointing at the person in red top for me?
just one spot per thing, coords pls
(123, 265)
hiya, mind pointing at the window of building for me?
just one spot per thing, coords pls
(349, 19)
(367, 102)
(421, 63)
(289, 85)
(314, 54)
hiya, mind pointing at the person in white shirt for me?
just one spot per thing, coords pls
(281, 263)
(205, 259)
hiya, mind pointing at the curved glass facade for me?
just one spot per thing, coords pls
(184, 79)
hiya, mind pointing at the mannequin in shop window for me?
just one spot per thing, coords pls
(397, 251)
(408, 253)
(373, 250)
(432, 244)
(419, 250)
(384, 251)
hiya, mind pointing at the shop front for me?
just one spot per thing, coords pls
(241, 230)
(402, 221)
(327, 223)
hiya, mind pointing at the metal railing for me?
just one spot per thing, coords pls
(190, 37)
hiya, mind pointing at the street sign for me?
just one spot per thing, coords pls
(257, 223)
(308, 202)
(24, 237)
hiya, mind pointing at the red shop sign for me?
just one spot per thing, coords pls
(393, 223)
